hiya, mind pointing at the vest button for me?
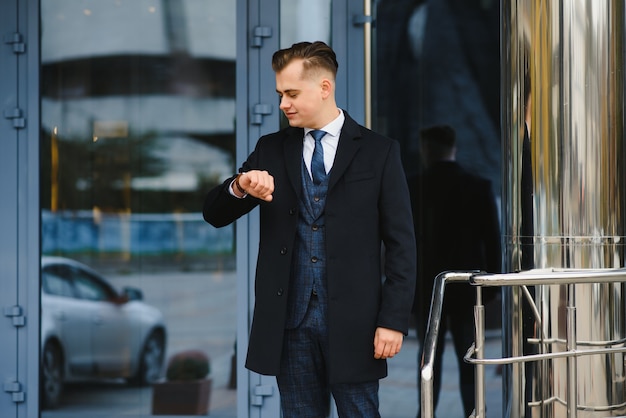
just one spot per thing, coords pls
(283, 251)
(314, 227)
(316, 198)
(314, 259)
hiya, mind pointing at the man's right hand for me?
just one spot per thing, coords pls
(256, 183)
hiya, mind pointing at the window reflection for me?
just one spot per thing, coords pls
(138, 117)
(438, 62)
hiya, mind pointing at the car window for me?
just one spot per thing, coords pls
(55, 282)
(91, 287)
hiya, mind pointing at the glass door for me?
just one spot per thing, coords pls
(137, 123)
(437, 62)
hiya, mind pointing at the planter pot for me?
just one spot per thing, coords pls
(181, 397)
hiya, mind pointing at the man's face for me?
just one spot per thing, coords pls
(301, 98)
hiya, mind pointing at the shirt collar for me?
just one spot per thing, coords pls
(333, 128)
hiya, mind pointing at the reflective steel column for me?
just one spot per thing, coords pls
(564, 186)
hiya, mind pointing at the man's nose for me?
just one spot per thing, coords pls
(284, 103)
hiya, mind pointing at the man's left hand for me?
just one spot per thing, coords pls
(387, 343)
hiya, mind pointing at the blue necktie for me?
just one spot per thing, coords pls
(317, 162)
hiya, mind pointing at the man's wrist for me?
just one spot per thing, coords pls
(238, 186)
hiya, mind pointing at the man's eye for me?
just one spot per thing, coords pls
(293, 95)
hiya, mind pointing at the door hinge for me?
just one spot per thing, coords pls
(260, 392)
(16, 315)
(258, 111)
(16, 41)
(258, 34)
(15, 389)
(16, 115)
(360, 20)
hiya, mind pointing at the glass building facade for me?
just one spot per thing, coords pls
(118, 117)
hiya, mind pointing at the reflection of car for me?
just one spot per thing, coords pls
(90, 330)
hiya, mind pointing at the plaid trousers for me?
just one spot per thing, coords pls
(303, 379)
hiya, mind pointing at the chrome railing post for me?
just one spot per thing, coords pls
(430, 340)
(479, 373)
(572, 367)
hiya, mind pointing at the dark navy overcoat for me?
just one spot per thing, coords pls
(370, 247)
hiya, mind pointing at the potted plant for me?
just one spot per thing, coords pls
(187, 388)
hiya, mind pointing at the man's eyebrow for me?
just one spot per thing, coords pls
(287, 91)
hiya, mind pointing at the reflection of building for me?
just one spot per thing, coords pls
(86, 232)
(157, 70)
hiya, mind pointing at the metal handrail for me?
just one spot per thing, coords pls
(432, 332)
(479, 279)
(550, 276)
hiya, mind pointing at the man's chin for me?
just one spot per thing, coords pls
(294, 121)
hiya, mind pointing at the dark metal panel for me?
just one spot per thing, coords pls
(8, 210)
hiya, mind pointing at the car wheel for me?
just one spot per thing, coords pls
(51, 376)
(150, 361)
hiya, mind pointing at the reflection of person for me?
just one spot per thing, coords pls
(324, 320)
(526, 198)
(457, 228)
(527, 233)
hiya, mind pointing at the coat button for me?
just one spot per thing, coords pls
(314, 227)
(292, 211)
(283, 251)
(280, 292)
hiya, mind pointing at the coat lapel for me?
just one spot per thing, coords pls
(293, 157)
(346, 149)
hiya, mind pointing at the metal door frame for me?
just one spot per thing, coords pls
(19, 214)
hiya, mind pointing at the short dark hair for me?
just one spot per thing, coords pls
(314, 55)
(443, 135)
(438, 141)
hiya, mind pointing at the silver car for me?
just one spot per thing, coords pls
(91, 330)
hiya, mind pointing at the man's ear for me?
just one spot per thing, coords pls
(327, 87)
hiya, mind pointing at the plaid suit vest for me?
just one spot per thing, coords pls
(308, 272)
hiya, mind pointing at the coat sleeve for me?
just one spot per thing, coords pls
(396, 223)
(220, 207)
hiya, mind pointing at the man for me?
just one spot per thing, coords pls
(457, 228)
(324, 320)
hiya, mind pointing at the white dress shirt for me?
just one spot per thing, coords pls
(329, 143)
